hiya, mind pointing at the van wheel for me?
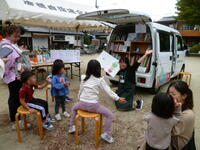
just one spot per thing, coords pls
(154, 90)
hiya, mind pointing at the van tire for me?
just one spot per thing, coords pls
(154, 90)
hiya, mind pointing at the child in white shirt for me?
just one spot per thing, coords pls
(89, 91)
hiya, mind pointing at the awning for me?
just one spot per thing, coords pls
(51, 31)
(59, 14)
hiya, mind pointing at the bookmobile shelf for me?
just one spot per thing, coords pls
(136, 47)
(133, 52)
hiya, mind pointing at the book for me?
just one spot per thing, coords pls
(131, 37)
(121, 47)
(112, 46)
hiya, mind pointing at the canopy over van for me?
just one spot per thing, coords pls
(59, 14)
(116, 16)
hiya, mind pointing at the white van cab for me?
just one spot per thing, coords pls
(133, 34)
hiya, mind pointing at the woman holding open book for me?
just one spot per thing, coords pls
(126, 86)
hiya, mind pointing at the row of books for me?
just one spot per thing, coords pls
(118, 47)
(145, 65)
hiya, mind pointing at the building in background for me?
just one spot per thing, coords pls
(42, 38)
(191, 34)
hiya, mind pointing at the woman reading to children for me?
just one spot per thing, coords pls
(126, 86)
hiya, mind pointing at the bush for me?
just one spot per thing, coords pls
(87, 39)
(195, 48)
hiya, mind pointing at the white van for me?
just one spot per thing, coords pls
(133, 34)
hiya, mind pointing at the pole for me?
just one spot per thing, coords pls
(96, 5)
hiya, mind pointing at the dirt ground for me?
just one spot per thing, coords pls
(127, 126)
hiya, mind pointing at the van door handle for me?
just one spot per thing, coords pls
(170, 58)
(177, 56)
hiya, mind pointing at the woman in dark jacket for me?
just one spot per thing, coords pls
(126, 86)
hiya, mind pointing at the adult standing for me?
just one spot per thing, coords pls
(183, 132)
(2, 66)
(12, 35)
(126, 86)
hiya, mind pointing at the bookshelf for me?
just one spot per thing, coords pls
(133, 51)
(120, 52)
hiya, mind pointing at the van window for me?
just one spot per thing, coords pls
(179, 43)
(164, 41)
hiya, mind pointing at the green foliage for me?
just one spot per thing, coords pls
(195, 48)
(87, 39)
(189, 10)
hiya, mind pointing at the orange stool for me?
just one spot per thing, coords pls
(186, 76)
(98, 124)
(22, 111)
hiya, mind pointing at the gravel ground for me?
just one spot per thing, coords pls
(127, 126)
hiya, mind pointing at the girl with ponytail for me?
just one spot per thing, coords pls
(183, 132)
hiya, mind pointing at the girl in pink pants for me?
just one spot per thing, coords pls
(90, 87)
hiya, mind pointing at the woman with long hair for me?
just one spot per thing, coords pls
(183, 132)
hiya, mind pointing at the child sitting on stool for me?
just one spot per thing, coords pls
(89, 91)
(27, 100)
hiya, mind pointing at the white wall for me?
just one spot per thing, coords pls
(70, 38)
(40, 42)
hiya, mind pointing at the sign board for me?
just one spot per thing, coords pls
(66, 55)
(109, 63)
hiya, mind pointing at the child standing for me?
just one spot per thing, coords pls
(27, 100)
(89, 91)
(59, 87)
(165, 113)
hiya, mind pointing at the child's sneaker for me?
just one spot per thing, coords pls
(50, 119)
(68, 99)
(21, 125)
(72, 129)
(139, 104)
(58, 117)
(107, 137)
(66, 114)
(47, 125)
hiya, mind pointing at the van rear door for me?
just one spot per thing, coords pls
(164, 57)
(115, 16)
(180, 54)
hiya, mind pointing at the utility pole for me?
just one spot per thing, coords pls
(96, 5)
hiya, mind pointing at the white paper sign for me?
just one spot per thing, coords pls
(109, 63)
(66, 55)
